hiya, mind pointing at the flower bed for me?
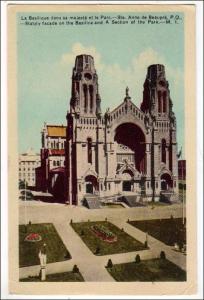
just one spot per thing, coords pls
(33, 237)
(104, 234)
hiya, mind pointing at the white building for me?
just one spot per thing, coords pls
(28, 162)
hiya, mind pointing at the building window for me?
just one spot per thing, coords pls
(54, 163)
(163, 150)
(91, 97)
(164, 102)
(89, 150)
(80, 187)
(85, 97)
(58, 163)
(159, 102)
(109, 186)
(101, 186)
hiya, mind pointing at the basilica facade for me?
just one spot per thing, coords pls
(127, 150)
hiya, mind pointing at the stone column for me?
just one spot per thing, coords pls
(148, 160)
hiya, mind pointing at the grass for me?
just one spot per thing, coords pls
(58, 277)
(147, 270)
(124, 243)
(28, 251)
(167, 231)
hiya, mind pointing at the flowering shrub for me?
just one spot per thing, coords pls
(33, 237)
(104, 234)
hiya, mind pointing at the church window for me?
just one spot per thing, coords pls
(85, 97)
(164, 102)
(159, 102)
(163, 150)
(54, 163)
(89, 150)
(58, 163)
(91, 97)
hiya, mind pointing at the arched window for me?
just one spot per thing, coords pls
(91, 97)
(85, 97)
(89, 150)
(159, 102)
(163, 150)
(164, 102)
(54, 163)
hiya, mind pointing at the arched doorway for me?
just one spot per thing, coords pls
(132, 137)
(91, 184)
(127, 177)
(166, 182)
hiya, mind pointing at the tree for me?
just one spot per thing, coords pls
(109, 264)
(163, 255)
(97, 250)
(75, 269)
(137, 259)
(22, 185)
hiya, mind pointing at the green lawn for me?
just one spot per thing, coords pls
(66, 276)
(28, 251)
(168, 231)
(148, 270)
(124, 243)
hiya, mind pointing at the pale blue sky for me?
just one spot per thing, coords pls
(122, 54)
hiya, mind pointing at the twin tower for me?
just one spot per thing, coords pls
(126, 150)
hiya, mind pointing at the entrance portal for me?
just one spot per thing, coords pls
(127, 186)
(91, 184)
(166, 182)
(89, 188)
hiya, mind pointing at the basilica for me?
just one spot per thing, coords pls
(127, 150)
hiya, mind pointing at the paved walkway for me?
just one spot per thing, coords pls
(92, 267)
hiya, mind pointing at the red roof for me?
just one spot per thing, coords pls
(56, 152)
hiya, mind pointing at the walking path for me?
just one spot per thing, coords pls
(92, 267)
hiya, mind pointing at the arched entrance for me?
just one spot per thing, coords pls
(166, 182)
(131, 137)
(91, 184)
(127, 177)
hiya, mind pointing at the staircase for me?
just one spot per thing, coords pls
(169, 197)
(132, 201)
(91, 202)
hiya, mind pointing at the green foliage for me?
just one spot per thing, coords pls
(162, 255)
(109, 264)
(137, 259)
(97, 250)
(22, 185)
(75, 269)
(28, 251)
(124, 243)
(150, 270)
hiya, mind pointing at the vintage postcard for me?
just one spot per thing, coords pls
(101, 119)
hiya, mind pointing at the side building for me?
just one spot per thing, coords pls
(28, 162)
(50, 174)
